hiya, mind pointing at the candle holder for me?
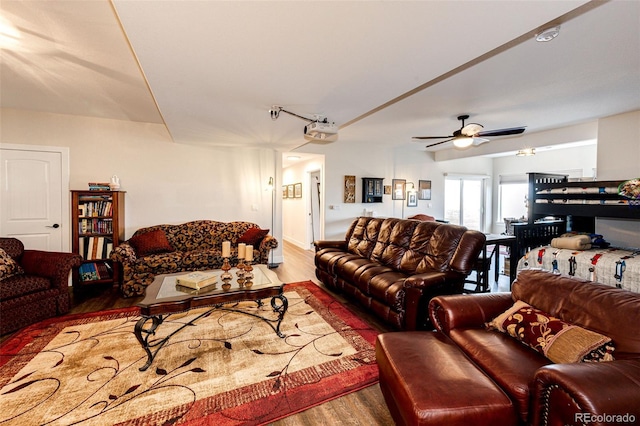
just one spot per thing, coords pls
(240, 272)
(226, 275)
(248, 272)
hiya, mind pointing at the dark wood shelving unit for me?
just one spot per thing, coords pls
(97, 220)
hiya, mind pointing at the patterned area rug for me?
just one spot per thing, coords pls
(228, 369)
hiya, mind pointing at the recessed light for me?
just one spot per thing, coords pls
(548, 34)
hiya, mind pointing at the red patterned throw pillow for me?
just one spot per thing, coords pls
(152, 242)
(559, 341)
(253, 236)
(8, 266)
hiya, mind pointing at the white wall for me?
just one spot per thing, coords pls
(165, 182)
(619, 159)
(349, 156)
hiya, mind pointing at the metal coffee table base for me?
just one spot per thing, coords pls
(152, 346)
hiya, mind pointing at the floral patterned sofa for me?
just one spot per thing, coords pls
(191, 246)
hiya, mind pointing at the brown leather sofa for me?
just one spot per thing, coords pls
(39, 291)
(393, 267)
(466, 373)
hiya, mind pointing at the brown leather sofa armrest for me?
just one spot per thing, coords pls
(467, 252)
(55, 266)
(467, 311)
(426, 279)
(579, 393)
(419, 289)
(322, 244)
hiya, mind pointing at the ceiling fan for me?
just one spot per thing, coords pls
(471, 134)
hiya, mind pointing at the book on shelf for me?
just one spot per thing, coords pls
(99, 186)
(104, 270)
(197, 279)
(102, 206)
(88, 272)
(91, 248)
(93, 271)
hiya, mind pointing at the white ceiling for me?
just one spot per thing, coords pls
(382, 70)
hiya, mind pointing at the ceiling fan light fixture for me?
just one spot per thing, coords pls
(463, 142)
(548, 34)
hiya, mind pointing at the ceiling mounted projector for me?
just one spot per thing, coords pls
(320, 131)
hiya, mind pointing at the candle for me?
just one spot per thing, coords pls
(241, 250)
(226, 248)
(249, 253)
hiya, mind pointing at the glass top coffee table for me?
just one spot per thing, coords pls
(163, 298)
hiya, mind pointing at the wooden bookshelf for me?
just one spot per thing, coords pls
(97, 220)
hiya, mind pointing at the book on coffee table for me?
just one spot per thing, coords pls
(197, 280)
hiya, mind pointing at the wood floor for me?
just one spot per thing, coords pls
(365, 407)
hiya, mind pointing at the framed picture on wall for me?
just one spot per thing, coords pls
(387, 190)
(349, 189)
(424, 190)
(412, 199)
(399, 189)
(297, 190)
(290, 191)
(284, 191)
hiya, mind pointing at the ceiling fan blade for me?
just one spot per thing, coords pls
(431, 137)
(438, 143)
(502, 132)
(479, 141)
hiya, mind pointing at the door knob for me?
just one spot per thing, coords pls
(55, 225)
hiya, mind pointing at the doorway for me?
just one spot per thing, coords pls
(34, 196)
(464, 201)
(315, 207)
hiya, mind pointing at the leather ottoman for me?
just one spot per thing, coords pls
(418, 369)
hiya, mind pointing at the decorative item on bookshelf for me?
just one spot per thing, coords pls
(114, 185)
(197, 280)
(99, 186)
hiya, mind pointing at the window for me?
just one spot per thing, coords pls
(512, 200)
(513, 192)
(464, 201)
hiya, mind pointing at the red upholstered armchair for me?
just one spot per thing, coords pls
(36, 289)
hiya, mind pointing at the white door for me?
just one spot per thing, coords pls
(34, 196)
